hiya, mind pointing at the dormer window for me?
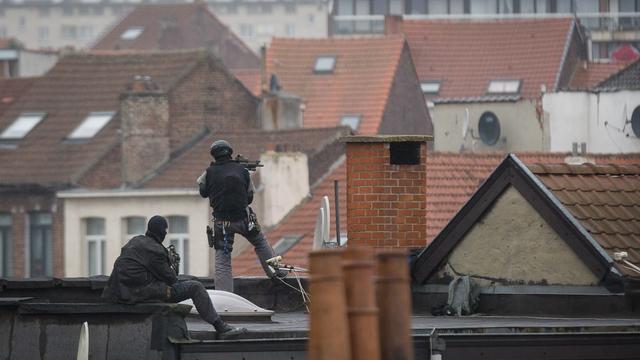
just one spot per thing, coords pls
(324, 64)
(504, 87)
(22, 126)
(132, 33)
(352, 121)
(430, 87)
(91, 125)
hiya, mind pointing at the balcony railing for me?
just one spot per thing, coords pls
(374, 24)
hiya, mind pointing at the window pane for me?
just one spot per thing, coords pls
(505, 6)
(418, 6)
(5, 245)
(345, 7)
(527, 6)
(379, 7)
(324, 64)
(362, 7)
(353, 121)
(95, 226)
(103, 251)
(22, 125)
(132, 33)
(92, 257)
(541, 6)
(587, 6)
(457, 6)
(396, 7)
(40, 244)
(136, 225)
(437, 7)
(564, 6)
(483, 6)
(91, 125)
(627, 5)
(178, 225)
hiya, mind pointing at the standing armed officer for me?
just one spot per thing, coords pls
(228, 186)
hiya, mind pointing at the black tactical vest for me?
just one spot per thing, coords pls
(227, 184)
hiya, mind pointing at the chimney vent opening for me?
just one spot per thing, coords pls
(404, 153)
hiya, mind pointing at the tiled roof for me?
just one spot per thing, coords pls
(627, 78)
(591, 74)
(179, 26)
(12, 89)
(604, 199)
(359, 84)
(77, 85)
(466, 55)
(451, 180)
(8, 43)
(250, 78)
(182, 170)
(300, 222)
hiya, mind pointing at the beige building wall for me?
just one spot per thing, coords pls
(284, 183)
(57, 25)
(513, 244)
(257, 22)
(520, 129)
(115, 207)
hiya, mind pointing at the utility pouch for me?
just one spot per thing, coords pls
(210, 236)
(253, 226)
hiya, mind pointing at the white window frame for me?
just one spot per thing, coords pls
(348, 120)
(430, 87)
(36, 117)
(507, 86)
(100, 243)
(324, 64)
(132, 33)
(86, 130)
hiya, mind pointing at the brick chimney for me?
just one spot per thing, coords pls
(393, 24)
(386, 191)
(144, 116)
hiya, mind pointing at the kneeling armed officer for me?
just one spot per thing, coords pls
(228, 186)
(144, 273)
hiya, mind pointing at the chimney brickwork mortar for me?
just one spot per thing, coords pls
(386, 203)
(144, 115)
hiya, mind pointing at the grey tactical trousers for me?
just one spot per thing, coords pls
(224, 275)
(195, 291)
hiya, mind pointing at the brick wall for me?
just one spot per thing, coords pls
(18, 204)
(210, 96)
(406, 110)
(386, 204)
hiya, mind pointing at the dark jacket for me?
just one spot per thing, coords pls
(142, 272)
(229, 189)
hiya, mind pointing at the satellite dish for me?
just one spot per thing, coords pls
(317, 234)
(465, 124)
(489, 128)
(635, 122)
(326, 229)
(83, 343)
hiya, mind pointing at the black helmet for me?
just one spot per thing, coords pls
(220, 148)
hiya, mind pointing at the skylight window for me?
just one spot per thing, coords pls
(430, 87)
(93, 123)
(132, 33)
(352, 121)
(22, 126)
(504, 87)
(325, 64)
(286, 243)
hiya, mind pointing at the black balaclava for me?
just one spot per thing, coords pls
(157, 228)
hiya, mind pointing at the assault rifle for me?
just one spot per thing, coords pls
(248, 164)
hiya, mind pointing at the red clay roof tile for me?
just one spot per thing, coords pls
(466, 55)
(359, 84)
(176, 27)
(452, 179)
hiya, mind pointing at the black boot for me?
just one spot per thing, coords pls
(226, 331)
